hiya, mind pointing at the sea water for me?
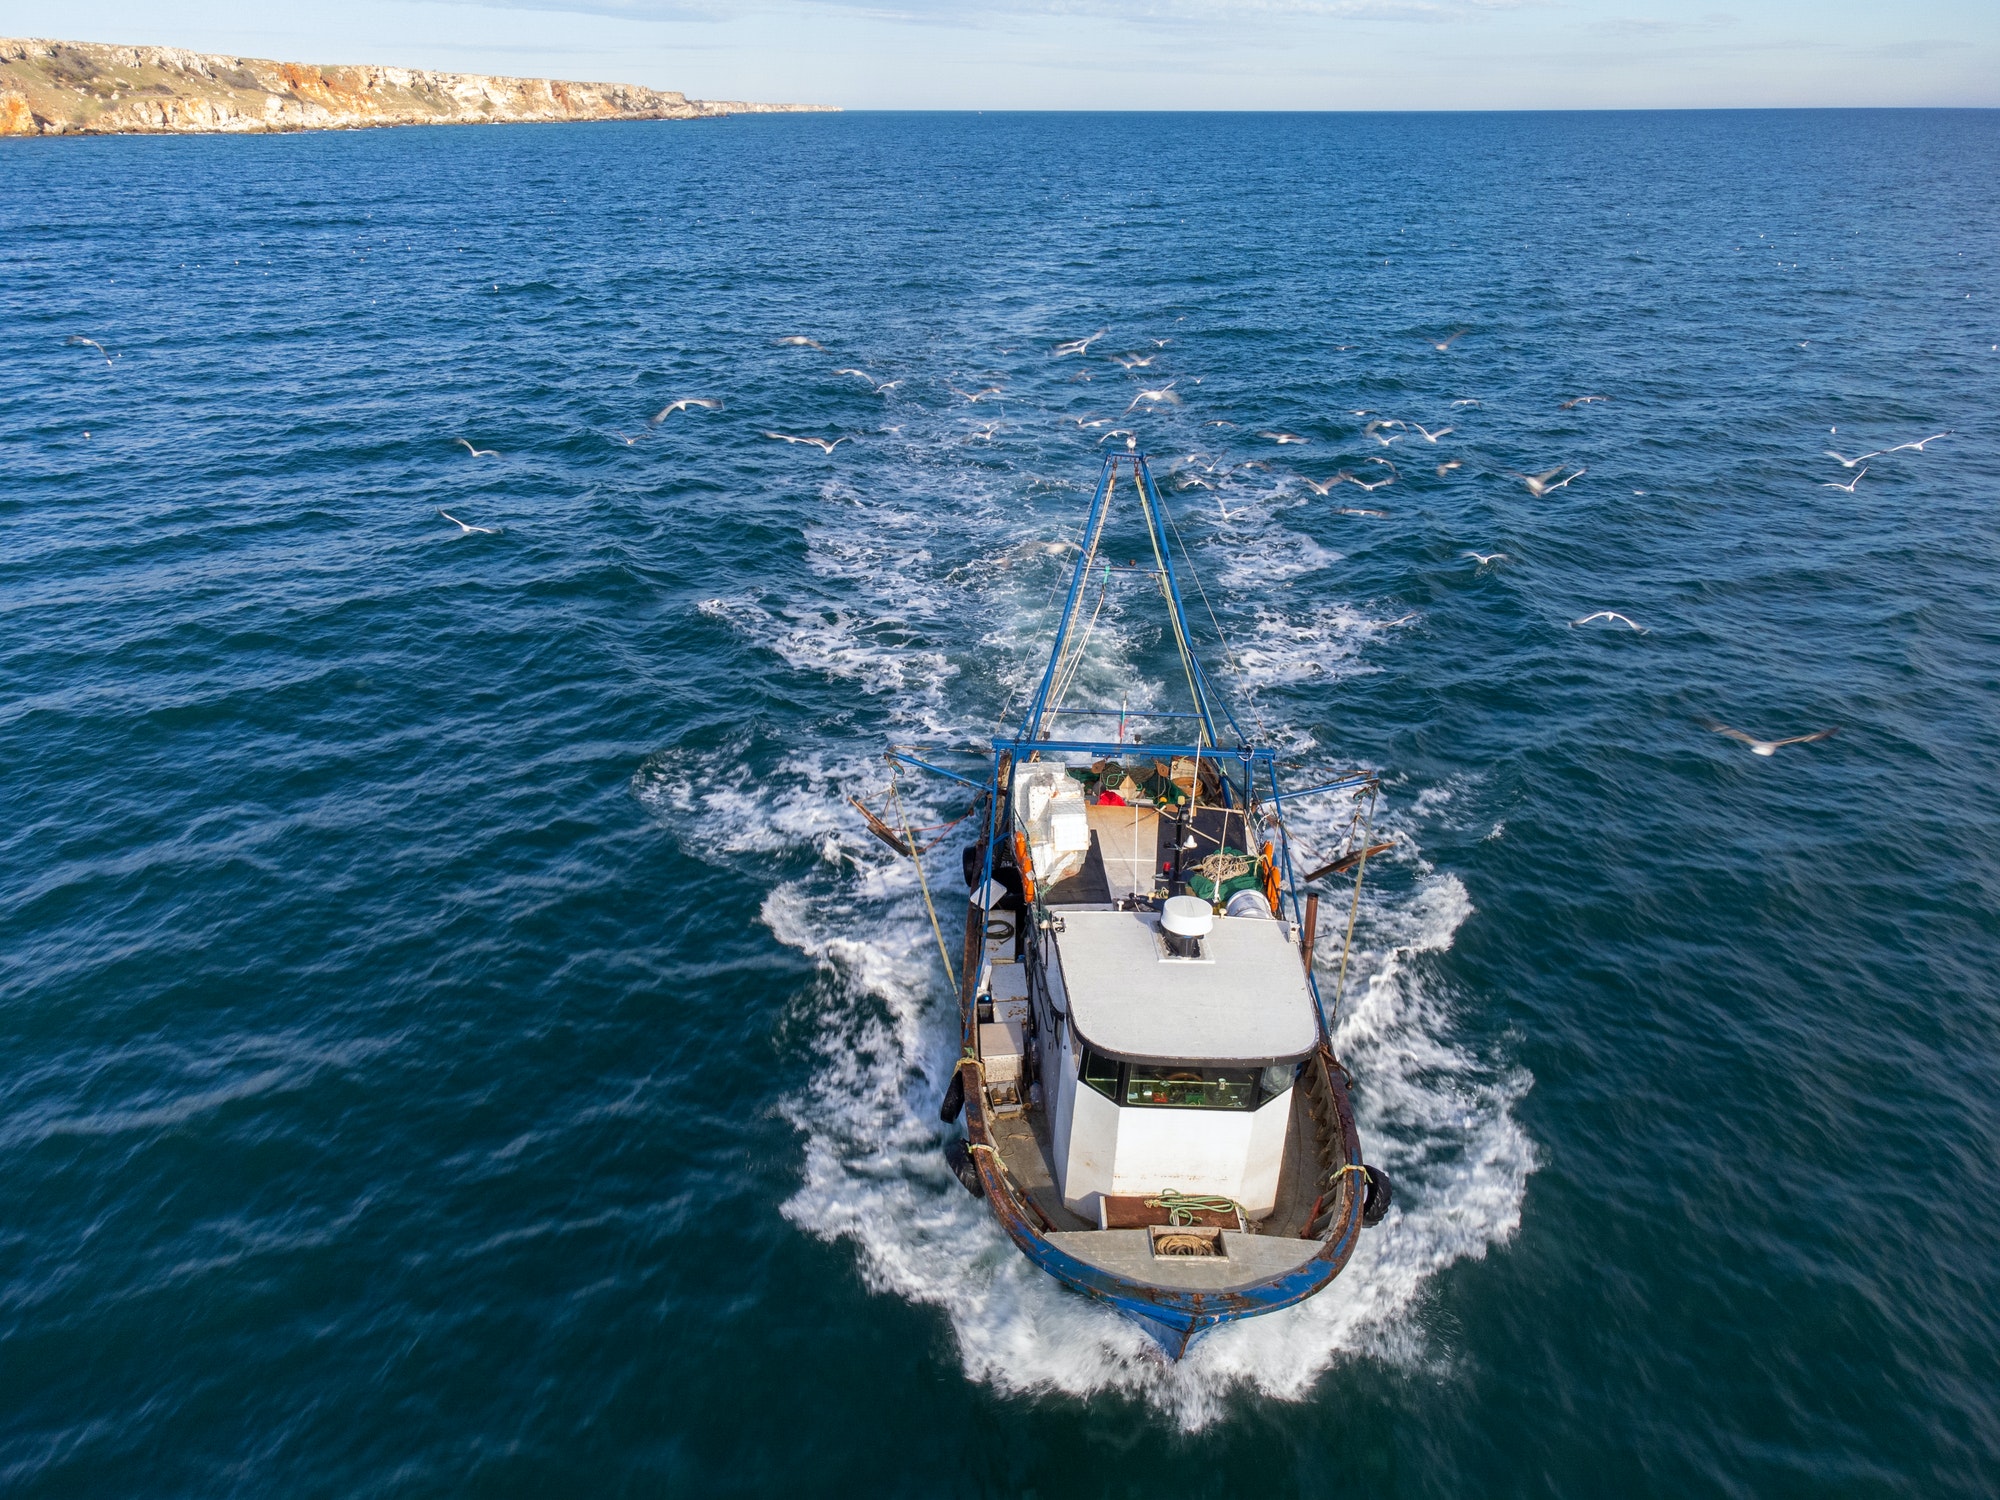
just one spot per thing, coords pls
(459, 1038)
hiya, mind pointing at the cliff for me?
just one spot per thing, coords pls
(86, 88)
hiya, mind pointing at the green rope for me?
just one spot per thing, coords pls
(1182, 1207)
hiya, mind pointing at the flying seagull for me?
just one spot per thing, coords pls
(1327, 488)
(1428, 435)
(1538, 484)
(1449, 340)
(1848, 463)
(1124, 432)
(465, 530)
(1609, 614)
(1487, 559)
(475, 452)
(77, 338)
(682, 405)
(1281, 438)
(1582, 401)
(799, 340)
(1133, 361)
(811, 442)
(1374, 428)
(1164, 393)
(1077, 346)
(1446, 468)
(1352, 510)
(1467, 402)
(1918, 446)
(978, 395)
(1847, 488)
(1767, 747)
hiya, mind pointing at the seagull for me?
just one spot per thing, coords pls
(1077, 346)
(1767, 747)
(811, 442)
(1133, 361)
(1364, 484)
(1848, 463)
(978, 395)
(1428, 435)
(1918, 446)
(985, 434)
(77, 338)
(862, 373)
(1218, 423)
(1350, 510)
(682, 405)
(1487, 559)
(1847, 488)
(1164, 393)
(1467, 402)
(465, 530)
(1446, 468)
(801, 341)
(1327, 488)
(1450, 339)
(1282, 438)
(1582, 401)
(1609, 614)
(1190, 482)
(627, 441)
(475, 452)
(1124, 432)
(1373, 429)
(1538, 484)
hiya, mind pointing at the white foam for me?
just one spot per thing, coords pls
(884, 1027)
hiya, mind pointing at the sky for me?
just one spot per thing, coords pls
(1126, 54)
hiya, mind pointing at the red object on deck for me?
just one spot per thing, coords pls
(1110, 799)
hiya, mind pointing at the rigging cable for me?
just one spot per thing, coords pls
(1353, 911)
(923, 884)
(1228, 653)
(1173, 614)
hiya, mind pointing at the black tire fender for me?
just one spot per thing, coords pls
(1376, 1196)
(954, 1097)
(959, 1159)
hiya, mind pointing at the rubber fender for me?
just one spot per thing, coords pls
(959, 1159)
(974, 860)
(954, 1097)
(1376, 1198)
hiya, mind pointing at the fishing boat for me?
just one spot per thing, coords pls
(1151, 1102)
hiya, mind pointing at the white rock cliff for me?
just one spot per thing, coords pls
(87, 88)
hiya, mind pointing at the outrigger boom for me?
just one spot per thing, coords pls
(1151, 1098)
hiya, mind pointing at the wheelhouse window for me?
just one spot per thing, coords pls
(1183, 1085)
(1101, 1073)
(1180, 1087)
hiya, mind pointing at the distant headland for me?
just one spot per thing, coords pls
(87, 88)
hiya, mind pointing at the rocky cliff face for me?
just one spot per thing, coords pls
(84, 88)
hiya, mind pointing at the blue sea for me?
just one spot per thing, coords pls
(456, 1037)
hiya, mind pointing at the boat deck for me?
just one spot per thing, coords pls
(1024, 1145)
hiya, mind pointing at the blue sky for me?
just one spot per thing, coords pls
(1127, 54)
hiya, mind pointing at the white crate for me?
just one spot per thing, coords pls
(1000, 1045)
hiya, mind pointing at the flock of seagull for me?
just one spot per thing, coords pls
(1384, 431)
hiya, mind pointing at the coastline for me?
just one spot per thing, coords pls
(91, 88)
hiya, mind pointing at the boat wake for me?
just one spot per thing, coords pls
(882, 1027)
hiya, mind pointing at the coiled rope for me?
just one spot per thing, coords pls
(1182, 1208)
